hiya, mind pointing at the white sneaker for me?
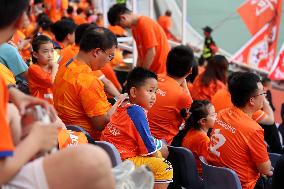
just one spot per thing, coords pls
(129, 178)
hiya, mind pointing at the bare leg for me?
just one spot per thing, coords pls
(83, 166)
(14, 120)
(161, 186)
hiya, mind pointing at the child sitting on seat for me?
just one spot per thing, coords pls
(194, 134)
(128, 129)
(42, 73)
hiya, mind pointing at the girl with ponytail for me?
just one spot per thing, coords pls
(201, 118)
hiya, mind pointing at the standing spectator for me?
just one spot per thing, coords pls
(237, 141)
(165, 22)
(210, 48)
(151, 41)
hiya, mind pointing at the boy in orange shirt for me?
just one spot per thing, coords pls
(151, 40)
(172, 95)
(79, 95)
(42, 73)
(128, 129)
(237, 141)
(165, 22)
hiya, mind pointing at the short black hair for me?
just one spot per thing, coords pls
(70, 9)
(62, 28)
(242, 87)
(79, 10)
(115, 11)
(37, 42)
(44, 22)
(168, 13)
(11, 10)
(79, 32)
(97, 37)
(179, 61)
(137, 77)
(265, 80)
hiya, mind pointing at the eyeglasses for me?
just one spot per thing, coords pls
(110, 56)
(264, 94)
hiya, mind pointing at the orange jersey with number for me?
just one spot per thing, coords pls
(237, 142)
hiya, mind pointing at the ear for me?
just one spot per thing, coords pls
(251, 101)
(95, 52)
(35, 54)
(202, 121)
(133, 92)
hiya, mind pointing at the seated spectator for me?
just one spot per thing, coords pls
(72, 50)
(129, 131)
(64, 32)
(173, 95)
(79, 18)
(11, 58)
(237, 141)
(212, 79)
(42, 73)
(194, 134)
(79, 95)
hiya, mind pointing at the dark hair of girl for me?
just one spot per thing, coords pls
(198, 110)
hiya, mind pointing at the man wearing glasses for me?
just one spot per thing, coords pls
(237, 141)
(79, 95)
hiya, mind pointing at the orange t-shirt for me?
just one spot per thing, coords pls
(117, 30)
(56, 8)
(166, 23)
(67, 53)
(40, 83)
(148, 34)
(128, 130)
(78, 19)
(6, 142)
(237, 142)
(7, 75)
(222, 100)
(197, 141)
(205, 92)
(164, 117)
(79, 95)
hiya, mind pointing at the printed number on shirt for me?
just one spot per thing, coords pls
(217, 140)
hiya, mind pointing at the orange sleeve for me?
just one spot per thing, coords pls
(258, 115)
(92, 95)
(168, 23)
(149, 39)
(185, 101)
(203, 147)
(6, 143)
(257, 147)
(99, 74)
(39, 78)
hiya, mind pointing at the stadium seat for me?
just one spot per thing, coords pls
(80, 129)
(274, 158)
(112, 152)
(219, 177)
(184, 166)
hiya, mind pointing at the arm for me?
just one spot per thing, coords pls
(99, 122)
(265, 168)
(269, 116)
(149, 57)
(109, 87)
(41, 138)
(185, 87)
(54, 70)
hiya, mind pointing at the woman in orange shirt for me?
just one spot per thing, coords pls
(193, 136)
(212, 79)
(42, 73)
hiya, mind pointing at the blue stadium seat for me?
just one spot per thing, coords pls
(111, 151)
(219, 177)
(274, 158)
(184, 166)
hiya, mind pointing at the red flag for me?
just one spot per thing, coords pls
(256, 13)
(277, 70)
(260, 51)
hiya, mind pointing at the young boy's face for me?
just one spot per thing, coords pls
(145, 95)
